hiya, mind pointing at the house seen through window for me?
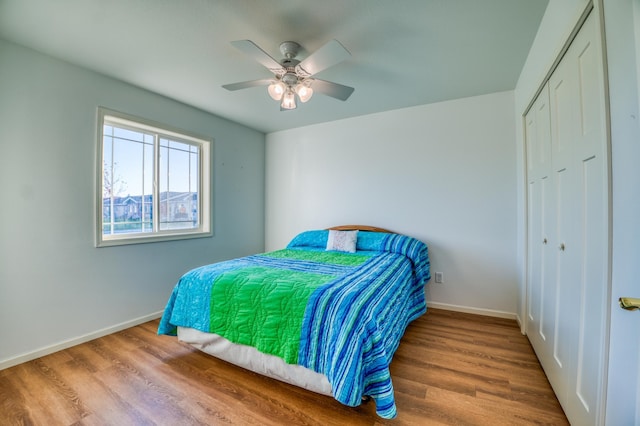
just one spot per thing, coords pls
(154, 182)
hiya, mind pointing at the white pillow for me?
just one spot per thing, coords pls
(342, 241)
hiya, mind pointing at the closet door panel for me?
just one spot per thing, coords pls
(535, 251)
(549, 308)
(531, 136)
(562, 92)
(547, 226)
(543, 133)
(593, 289)
(538, 139)
(591, 162)
(591, 109)
(565, 283)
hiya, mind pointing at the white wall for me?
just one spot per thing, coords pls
(55, 286)
(443, 173)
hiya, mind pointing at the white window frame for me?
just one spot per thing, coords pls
(205, 210)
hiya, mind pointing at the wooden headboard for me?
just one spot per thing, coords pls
(360, 228)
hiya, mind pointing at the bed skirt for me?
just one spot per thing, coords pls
(254, 360)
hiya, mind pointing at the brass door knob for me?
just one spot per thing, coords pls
(629, 303)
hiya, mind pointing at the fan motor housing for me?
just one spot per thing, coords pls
(290, 78)
(289, 49)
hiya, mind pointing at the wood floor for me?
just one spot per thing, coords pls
(451, 369)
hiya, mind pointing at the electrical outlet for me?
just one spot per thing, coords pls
(439, 277)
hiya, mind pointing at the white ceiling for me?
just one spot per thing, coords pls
(404, 52)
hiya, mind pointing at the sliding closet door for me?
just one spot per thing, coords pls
(568, 229)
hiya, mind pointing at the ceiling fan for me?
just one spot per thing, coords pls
(293, 79)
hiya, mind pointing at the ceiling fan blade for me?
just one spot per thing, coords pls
(328, 55)
(334, 90)
(251, 49)
(247, 84)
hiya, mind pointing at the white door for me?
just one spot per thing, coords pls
(569, 275)
(579, 157)
(540, 293)
(593, 160)
(623, 392)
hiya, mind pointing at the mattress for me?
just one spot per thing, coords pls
(252, 359)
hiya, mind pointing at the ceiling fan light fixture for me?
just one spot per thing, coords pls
(288, 100)
(304, 91)
(293, 78)
(276, 90)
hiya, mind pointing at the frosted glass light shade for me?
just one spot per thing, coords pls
(288, 100)
(304, 92)
(276, 90)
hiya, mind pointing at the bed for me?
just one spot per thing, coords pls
(326, 313)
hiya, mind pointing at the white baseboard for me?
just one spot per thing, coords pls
(470, 310)
(10, 362)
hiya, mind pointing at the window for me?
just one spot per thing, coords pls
(153, 183)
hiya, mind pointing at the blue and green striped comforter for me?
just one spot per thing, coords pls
(339, 314)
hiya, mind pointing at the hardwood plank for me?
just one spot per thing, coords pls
(44, 394)
(450, 369)
(105, 405)
(14, 407)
